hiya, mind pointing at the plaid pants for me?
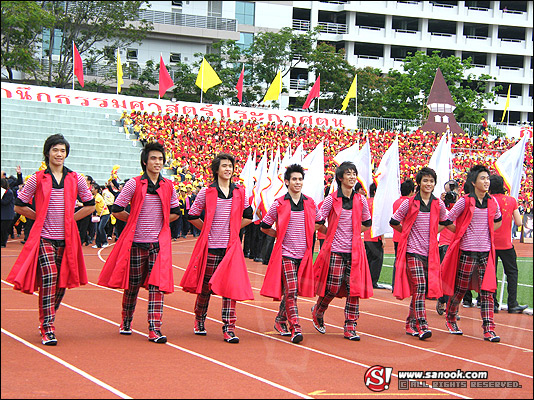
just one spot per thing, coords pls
(50, 296)
(417, 270)
(142, 260)
(467, 265)
(288, 306)
(228, 305)
(339, 274)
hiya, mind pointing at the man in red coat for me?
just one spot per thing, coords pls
(142, 255)
(217, 264)
(419, 219)
(470, 259)
(51, 259)
(290, 271)
(341, 267)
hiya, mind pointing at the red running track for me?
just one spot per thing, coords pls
(92, 360)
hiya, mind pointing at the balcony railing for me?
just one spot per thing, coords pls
(301, 25)
(331, 27)
(193, 21)
(298, 84)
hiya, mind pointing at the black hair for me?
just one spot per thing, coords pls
(372, 189)
(472, 176)
(4, 183)
(52, 141)
(96, 186)
(496, 184)
(216, 163)
(407, 187)
(358, 186)
(293, 168)
(89, 178)
(152, 146)
(344, 167)
(425, 171)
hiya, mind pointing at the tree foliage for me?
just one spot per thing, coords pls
(22, 25)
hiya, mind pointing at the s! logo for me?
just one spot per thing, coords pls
(378, 378)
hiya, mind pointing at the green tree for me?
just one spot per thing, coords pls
(408, 91)
(184, 81)
(22, 25)
(112, 24)
(148, 76)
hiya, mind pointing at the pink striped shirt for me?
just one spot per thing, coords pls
(419, 237)
(294, 243)
(220, 228)
(54, 223)
(342, 242)
(477, 236)
(150, 220)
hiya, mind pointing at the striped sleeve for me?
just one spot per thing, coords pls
(272, 214)
(198, 204)
(366, 213)
(457, 209)
(326, 207)
(83, 190)
(401, 212)
(123, 199)
(26, 194)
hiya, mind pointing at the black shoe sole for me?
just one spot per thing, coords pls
(297, 339)
(125, 332)
(203, 333)
(158, 340)
(353, 338)
(232, 340)
(425, 335)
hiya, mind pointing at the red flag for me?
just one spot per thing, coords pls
(78, 65)
(314, 93)
(239, 86)
(165, 81)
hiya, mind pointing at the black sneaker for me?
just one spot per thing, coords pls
(425, 334)
(296, 337)
(281, 328)
(318, 323)
(440, 307)
(48, 339)
(453, 328)
(157, 337)
(125, 328)
(517, 309)
(230, 337)
(199, 328)
(491, 337)
(351, 335)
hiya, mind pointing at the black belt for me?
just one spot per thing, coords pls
(475, 254)
(145, 246)
(217, 252)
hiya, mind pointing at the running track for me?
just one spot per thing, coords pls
(93, 361)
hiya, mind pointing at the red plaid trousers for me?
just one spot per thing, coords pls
(288, 310)
(141, 262)
(228, 305)
(417, 270)
(50, 296)
(339, 274)
(467, 265)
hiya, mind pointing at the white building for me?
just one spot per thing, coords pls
(497, 35)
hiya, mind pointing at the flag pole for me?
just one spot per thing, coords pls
(73, 61)
(356, 101)
(280, 94)
(160, 58)
(118, 70)
(202, 81)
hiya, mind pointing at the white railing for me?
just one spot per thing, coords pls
(193, 21)
(298, 84)
(331, 27)
(301, 25)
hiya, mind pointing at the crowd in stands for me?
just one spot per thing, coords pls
(192, 141)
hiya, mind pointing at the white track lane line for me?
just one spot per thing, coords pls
(220, 363)
(67, 365)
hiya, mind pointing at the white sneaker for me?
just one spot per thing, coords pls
(94, 246)
(105, 245)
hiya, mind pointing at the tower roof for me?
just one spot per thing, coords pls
(439, 93)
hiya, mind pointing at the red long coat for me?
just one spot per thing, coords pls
(116, 270)
(230, 279)
(24, 274)
(272, 284)
(360, 283)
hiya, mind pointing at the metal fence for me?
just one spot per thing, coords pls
(193, 21)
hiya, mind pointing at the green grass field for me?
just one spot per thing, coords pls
(524, 286)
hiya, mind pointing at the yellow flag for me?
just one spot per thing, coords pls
(351, 94)
(507, 104)
(207, 77)
(275, 89)
(119, 72)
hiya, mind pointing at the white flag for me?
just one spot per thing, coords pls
(441, 163)
(247, 175)
(387, 190)
(298, 156)
(348, 154)
(510, 166)
(313, 165)
(268, 193)
(261, 178)
(364, 166)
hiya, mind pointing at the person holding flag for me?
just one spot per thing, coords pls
(290, 272)
(417, 265)
(341, 267)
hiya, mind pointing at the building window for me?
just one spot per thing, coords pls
(244, 12)
(245, 40)
(175, 58)
(131, 54)
(176, 3)
(214, 8)
(58, 38)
